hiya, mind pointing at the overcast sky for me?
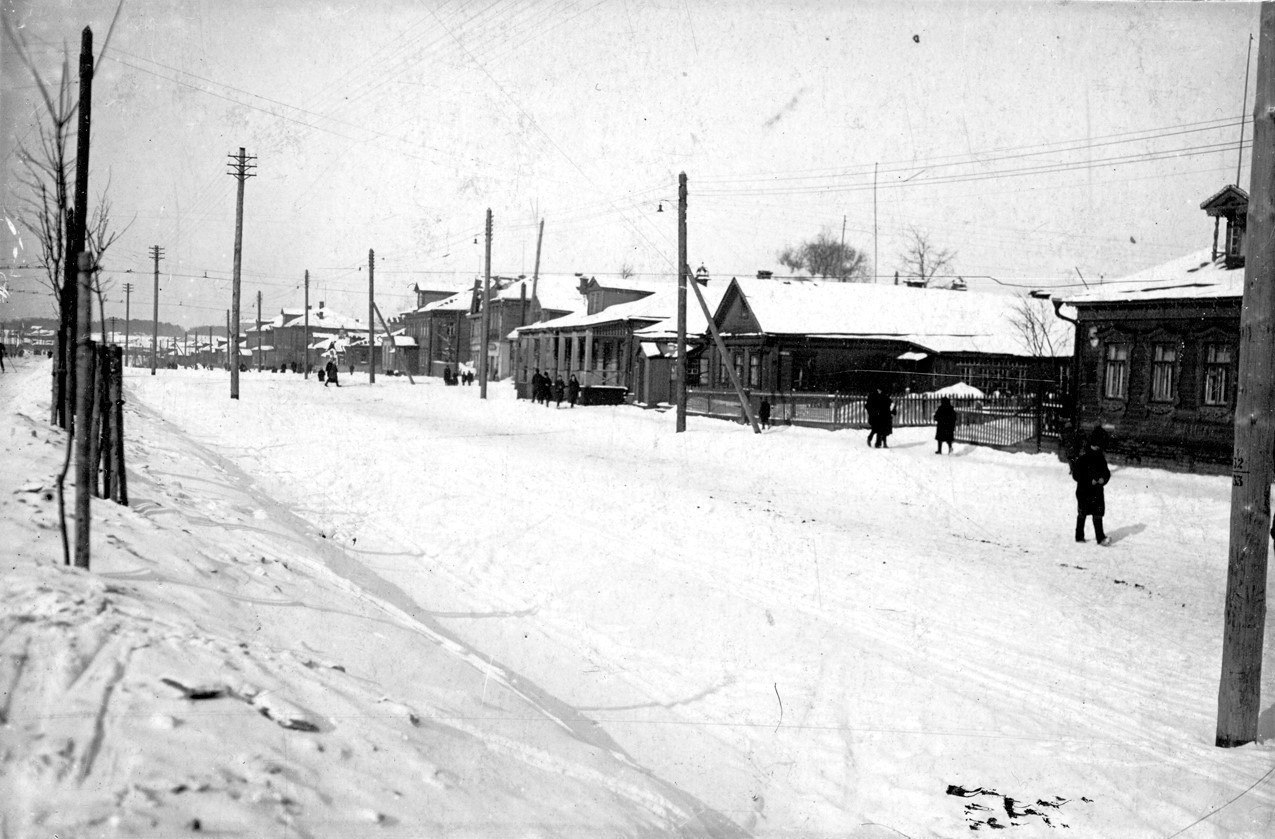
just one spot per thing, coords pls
(1034, 139)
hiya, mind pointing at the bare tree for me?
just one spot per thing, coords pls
(922, 260)
(626, 271)
(826, 257)
(1041, 332)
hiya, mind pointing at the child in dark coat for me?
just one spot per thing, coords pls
(1091, 474)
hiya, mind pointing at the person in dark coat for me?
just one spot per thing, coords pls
(763, 413)
(559, 391)
(944, 425)
(536, 382)
(876, 403)
(447, 375)
(332, 374)
(573, 390)
(1091, 474)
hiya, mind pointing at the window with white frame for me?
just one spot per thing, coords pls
(1217, 374)
(754, 369)
(1116, 372)
(1164, 364)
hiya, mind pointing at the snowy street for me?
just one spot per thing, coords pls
(810, 636)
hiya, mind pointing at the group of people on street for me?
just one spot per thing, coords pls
(464, 377)
(545, 388)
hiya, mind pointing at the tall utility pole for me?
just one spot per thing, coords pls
(258, 331)
(679, 371)
(535, 274)
(228, 340)
(876, 264)
(71, 319)
(241, 167)
(307, 323)
(486, 319)
(371, 316)
(1239, 693)
(128, 299)
(157, 253)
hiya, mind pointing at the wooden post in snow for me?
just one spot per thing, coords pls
(1239, 693)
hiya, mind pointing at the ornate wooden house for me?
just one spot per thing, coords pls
(1157, 351)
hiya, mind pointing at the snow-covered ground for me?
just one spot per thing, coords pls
(790, 634)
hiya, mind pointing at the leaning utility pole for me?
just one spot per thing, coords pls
(679, 371)
(128, 299)
(486, 319)
(1239, 693)
(535, 274)
(371, 314)
(258, 331)
(157, 253)
(241, 168)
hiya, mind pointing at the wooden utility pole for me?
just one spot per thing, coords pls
(128, 300)
(535, 274)
(258, 331)
(486, 317)
(371, 313)
(679, 369)
(241, 167)
(1239, 694)
(83, 410)
(157, 253)
(307, 323)
(228, 345)
(71, 318)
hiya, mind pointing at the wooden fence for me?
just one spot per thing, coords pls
(1017, 422)
(106, 429)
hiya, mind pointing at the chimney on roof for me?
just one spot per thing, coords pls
(765, 275)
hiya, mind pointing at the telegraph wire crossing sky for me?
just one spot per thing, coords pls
(1042, 142)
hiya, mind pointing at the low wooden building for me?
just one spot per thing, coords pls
(1157, 351)
(518, 302)
(794, 336)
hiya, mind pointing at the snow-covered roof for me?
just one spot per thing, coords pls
(557, 292)
(939, 320)
(696, 323)
(323, 318)
(458, 302)
(651, 309)
(1195, 276)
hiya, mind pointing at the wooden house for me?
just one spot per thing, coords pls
(1157, 351)
(811, 336)
(440, 329)
(517, 302)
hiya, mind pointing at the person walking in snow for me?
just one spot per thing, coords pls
(873, 406)
(1091, 474)
(333, 372)
(536, 379)
(944, 425)
(559, 391)
(3, 353)
(763, 413)
(573, 390)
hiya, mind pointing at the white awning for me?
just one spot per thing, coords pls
(650, 349)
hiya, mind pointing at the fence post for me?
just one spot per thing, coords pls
(117, 407)
(105, 451)
(1040, 419)
(92, 387)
